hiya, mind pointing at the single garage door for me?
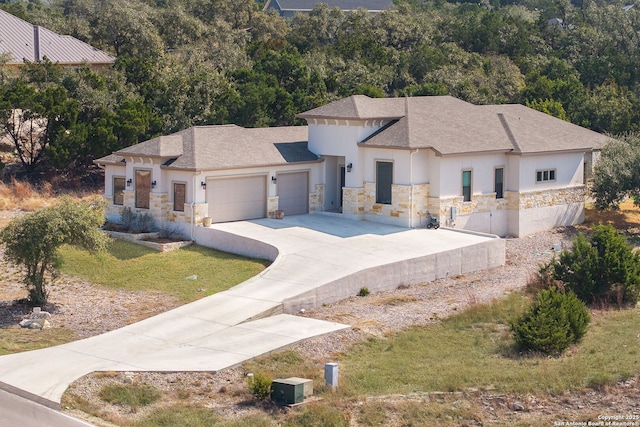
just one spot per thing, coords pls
(235, 199)
(293, 193)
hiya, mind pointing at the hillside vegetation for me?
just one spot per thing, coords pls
(192, 62)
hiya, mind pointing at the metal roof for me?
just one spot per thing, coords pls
(346, 5)
(31, 42)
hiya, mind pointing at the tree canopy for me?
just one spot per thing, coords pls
(195, 62)
(32, 241)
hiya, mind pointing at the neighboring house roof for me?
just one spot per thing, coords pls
(306, 6)
(452, 126)
(222, 147)
(31, 42)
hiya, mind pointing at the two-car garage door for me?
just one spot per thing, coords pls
(245, 197)
(234, 199)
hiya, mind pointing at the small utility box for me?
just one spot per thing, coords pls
(287, 391)
(308, 386)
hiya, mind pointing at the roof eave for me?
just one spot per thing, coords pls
(266, 165)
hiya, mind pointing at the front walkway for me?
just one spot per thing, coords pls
(318, 259)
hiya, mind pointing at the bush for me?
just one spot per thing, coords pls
(604, 270)
(363, 292)
(260, 386)
(555, 321)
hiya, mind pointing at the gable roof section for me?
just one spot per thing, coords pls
(223, 147)
(451, 126)
(306, 6)
(26, 41)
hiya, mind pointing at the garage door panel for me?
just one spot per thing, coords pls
(293, 193)
(235, 199)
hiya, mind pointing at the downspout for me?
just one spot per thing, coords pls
(411, 153)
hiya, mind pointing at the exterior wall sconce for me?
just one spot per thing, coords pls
(203, 185)
(153, 184)
(274, 179)
(129, 181)
(349, 167)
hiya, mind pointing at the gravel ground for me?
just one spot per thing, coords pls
(89, 310)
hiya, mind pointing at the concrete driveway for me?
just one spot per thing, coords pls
(317, 259)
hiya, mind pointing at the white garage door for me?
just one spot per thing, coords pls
(234, 199)
(293, 193)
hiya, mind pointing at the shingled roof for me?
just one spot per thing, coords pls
(31, 42)
(452, 126)
(222, 147)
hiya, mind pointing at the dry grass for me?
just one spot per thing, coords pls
(624, 218)
(23, 196)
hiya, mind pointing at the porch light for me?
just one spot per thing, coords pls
(203, 185)
(153, 184)
(349, 167)
(274, 179)
(129, 181)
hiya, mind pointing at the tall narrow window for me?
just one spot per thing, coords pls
(466, 186)
(499, 183)
(179, 191)
(118, 190)
(384, 179)
(143, 188)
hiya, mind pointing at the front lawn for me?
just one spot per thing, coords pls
(189, 273)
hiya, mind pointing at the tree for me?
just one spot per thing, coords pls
(32, 241)
(602, 270)
(616, 175)
(34, 118)
(555, 321)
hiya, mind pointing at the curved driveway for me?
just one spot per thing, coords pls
(318, 259)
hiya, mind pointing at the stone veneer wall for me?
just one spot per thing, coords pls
(544, 198)
(316, 199)
(405, 199)
(353, 201)
(272, 206)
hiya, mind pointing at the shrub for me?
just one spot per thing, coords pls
(127, 218)
(604, 270)
(145, 223)
(555, 321)
(363, 292)
(260, 386)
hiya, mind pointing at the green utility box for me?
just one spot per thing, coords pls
(288, 391)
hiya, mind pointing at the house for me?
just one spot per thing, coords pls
(500, 169)
(24, 41)
(288, 8)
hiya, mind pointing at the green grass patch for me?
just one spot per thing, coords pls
(16, 339)
(194, 416)
(475, 350)
(133, 395)
(128, 265)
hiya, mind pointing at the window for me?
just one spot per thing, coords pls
(499, 182)
(179, 192)
(143, 188)
(118, 190)
(384, 179)
(546, 175)
(466, 186)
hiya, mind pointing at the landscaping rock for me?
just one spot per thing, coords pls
(517, 406)
(35, 324)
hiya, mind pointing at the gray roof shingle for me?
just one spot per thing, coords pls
(223, 147)
(17, 38)
(452, 126)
